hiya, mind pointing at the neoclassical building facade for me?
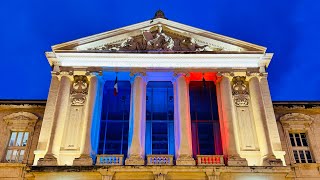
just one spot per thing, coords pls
(159, 100)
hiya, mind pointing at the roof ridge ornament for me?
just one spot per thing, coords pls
(159, 14)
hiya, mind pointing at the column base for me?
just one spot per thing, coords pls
(272, 161)
(134, 160)
(48, 160)
(236, 161)
(185, 160)
(83, 160)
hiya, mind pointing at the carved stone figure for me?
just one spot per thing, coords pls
(151, 40)
(158, 42)
(240, 91)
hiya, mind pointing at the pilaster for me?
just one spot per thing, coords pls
(182, 120)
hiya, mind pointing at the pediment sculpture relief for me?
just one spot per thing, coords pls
(157, 39)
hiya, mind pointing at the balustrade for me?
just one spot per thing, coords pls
(158, 159)
(110, 159)
(210, 160)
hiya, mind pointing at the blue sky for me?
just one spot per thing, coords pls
(290, 29)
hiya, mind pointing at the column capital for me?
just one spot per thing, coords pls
(259, 75)
(178, 74)
(142, 74)
(221, 75)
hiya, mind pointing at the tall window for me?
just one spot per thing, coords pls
(114, 125)
(300, 148)
(17, 146)
(206, 138)
(159, 117)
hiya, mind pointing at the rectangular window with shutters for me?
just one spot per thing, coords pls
(300, 148)
(17, 146)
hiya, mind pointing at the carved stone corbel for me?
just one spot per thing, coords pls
(79, 90)
(240, 91)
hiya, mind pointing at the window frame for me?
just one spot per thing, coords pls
(298, 123)
(20, 122)
(17, 148)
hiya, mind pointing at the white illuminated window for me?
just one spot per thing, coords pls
(17, 146)
(300, 148)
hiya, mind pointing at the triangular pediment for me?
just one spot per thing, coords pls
(159, 36)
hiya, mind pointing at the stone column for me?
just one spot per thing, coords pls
(182, 121)
(50, 159)
(85, 158)
(270, 118)
(48, 118)
(261, 124)
(137, 120)
(229, 115)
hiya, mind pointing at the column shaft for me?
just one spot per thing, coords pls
(260, 118)
(58, 124)
(229, 115)
(182, 122)
(86, 145)
(137, 122)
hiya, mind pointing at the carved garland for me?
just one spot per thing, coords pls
(79, 90)
(240, 91)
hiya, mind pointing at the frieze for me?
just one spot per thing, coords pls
(158, 38)
(240, 91)
(79, 90)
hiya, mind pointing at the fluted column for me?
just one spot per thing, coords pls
(261, 123)
(50, 159)
(229, 120)
(182, 121)
(137, 121)
(85, 158)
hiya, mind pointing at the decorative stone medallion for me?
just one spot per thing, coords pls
(240, 91)
(79, 90)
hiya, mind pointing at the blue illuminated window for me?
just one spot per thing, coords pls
(115, 119)
(206, 139)
(159, 117)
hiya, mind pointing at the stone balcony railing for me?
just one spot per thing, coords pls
(215, 160)
(109, 159)
(159, 159)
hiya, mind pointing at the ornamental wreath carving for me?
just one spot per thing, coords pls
(79, 90)
(240, 91)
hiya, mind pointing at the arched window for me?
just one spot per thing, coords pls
(159, 117)
(115, 119)
(206, 138)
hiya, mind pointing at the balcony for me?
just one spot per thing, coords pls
(210, 160)
(110, 159)
(159, 159)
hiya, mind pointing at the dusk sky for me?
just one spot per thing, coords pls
(289, 29)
